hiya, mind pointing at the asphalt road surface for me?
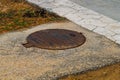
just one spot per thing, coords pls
(110, 8)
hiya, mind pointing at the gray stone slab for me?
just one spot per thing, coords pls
(110, 8)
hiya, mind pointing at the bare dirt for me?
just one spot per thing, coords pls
(111, 72)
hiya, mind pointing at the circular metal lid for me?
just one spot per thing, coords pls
(55, 39)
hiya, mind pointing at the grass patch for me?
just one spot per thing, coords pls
(18, 14)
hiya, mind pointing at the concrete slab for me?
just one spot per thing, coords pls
(110, 8)
(19, 63)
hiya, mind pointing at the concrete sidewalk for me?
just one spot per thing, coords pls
(83, 16)
(20, 63)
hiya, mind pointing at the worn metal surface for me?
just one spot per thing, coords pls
(55, 39)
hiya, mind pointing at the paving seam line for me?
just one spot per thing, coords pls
(82, 16)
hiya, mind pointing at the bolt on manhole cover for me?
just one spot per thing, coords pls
(55, 39)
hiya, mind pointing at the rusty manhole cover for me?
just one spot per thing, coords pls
(55, 39)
